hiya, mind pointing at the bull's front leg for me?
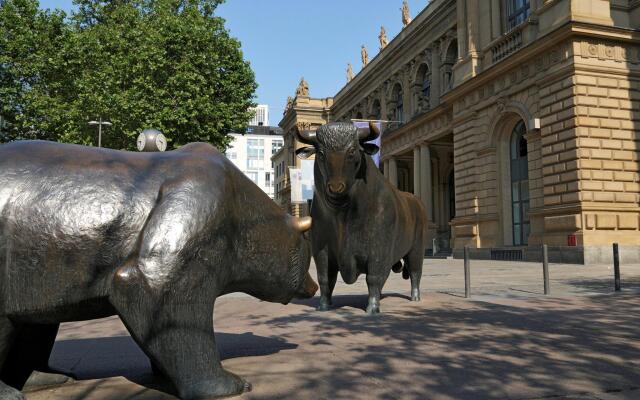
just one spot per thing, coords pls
(327, 276)
(376, 279)
(175, 330)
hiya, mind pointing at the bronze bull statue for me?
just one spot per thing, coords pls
(362, 224)
(152, 237)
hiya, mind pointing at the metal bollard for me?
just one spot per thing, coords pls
(467, 274)
(545, 269)
(616, 266)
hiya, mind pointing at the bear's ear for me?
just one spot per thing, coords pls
(305, 152)
(370, 148)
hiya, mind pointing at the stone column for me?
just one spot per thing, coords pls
(473, 28)
(385, 167)
(416, 172)
(496, 19)
(437, 217)
(425, 182)
(462, 33)
(393, 172)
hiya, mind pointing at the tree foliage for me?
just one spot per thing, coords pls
(166, 64)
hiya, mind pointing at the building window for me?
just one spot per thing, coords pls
(517, 12)
(255, 153)
(426, 87)
(519, 185)
(399, 106)
(253, 176)
(275, 146)
(267, 179)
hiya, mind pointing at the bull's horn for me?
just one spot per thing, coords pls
(368, 134)
(307, 137)
(301, 224)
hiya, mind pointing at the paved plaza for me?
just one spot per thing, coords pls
(508, 342)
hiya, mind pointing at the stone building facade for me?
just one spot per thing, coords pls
(305, 113)
(517, 123)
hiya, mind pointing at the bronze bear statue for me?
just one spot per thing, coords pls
(152, 237)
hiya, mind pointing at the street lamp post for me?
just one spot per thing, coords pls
(100, 123)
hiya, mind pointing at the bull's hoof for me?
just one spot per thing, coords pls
(41, 380)
(226, 384)
(9, 393)
(415, 295)
(373, 309)
(324, 305)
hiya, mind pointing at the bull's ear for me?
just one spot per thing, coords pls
(305, 152)
(370, 148)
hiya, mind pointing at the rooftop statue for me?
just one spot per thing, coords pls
(303, 88)
(349, 73)
(364, 55)
(152, 237)
(384, 41)
(406, 16)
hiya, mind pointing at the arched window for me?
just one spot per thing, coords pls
(376, 112)
(426, 87)
(447, 66)
(519, 185)
(422, 89)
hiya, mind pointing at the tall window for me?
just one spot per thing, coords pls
(253, 176)
(275, 146)
(517, 12)
(519, 185)
(426, 87)
(255, 153)
(399, 106)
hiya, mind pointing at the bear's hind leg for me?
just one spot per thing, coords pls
(7, 336)
(30, 353)
(175, 329)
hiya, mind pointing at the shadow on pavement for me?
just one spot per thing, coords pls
(477, 350)
(604, 285)
(107, 357)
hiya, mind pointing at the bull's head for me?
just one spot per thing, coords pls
(340, 150)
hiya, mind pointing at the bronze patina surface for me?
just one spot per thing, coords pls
(362, 224)
(152, 237)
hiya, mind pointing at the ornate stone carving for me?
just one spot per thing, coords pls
(303, 126)
(289, 104)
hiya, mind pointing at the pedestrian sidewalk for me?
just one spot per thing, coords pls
(507, 342)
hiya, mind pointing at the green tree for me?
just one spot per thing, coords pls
(167, 64)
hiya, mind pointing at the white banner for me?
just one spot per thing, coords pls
(302, 182)
(295, 176)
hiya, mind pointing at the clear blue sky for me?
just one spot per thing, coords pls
(287, 39)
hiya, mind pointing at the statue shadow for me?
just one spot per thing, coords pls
(359, 301)
(107, 357)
